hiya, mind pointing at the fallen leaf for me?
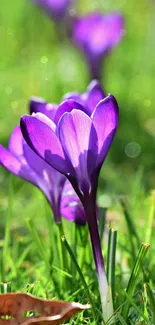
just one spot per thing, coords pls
(46, 312)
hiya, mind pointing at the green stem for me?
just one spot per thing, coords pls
(105, 291)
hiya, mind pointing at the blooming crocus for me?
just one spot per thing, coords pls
(76, 145)
(21, 160)
(95, 35)
(54, 8)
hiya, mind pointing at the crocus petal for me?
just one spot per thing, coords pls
(90, 98)
(43, 118)
(49, 180)
(38, 105)
(74, 131)
(73, 211)
(9, 161)
(97, 33)
(15, 144)
(67, 106)
(73, 95)
(55, 8)
(52, 178)
(34, 161)
(105, 121)
(71, 207)
(94, 93)
(43, 140)
(15, 166)
(14, 160)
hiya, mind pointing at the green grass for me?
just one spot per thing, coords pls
(31, 258)
(34, 62)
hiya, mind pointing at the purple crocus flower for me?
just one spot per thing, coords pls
(95, 35)
(21, 160)
(54, 8)
(76, 146)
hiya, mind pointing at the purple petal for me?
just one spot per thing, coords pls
(105, 121)
(49, 180)
(14, 160)
(90, 98)
(9, 161)
(74, 130)
(97, 34)
(15, 144)
(94, 93)
(51, 110)
(71, 207)
(43, 140)
(38, 105)
(67, 106)
(54, 180)
(73, 95)
(15, 166)
(34, 161)
(55, 8)
(43, 118)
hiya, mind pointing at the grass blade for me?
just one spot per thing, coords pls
(39, 244)
(150, 219)
(151, 299)
(131, 228)
(69, 250)
(134, 277)
(112, 240)
(7, 228)
(139, 311)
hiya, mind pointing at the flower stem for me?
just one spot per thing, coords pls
(105, 292)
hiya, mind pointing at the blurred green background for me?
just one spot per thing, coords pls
(34, 62)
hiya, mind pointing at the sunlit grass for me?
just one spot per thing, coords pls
(30, 254)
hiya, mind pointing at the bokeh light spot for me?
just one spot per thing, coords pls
(14, 106)
(132, 149)
(147, 102)
(105, 201)
(8, 90)
(44, 59)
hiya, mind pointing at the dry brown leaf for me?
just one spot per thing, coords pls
(50, 312)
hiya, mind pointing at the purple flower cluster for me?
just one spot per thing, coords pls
(95, 34)
(61, 149)
(76, 143)
(23, 162)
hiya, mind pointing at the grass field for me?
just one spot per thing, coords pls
(34, 62)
